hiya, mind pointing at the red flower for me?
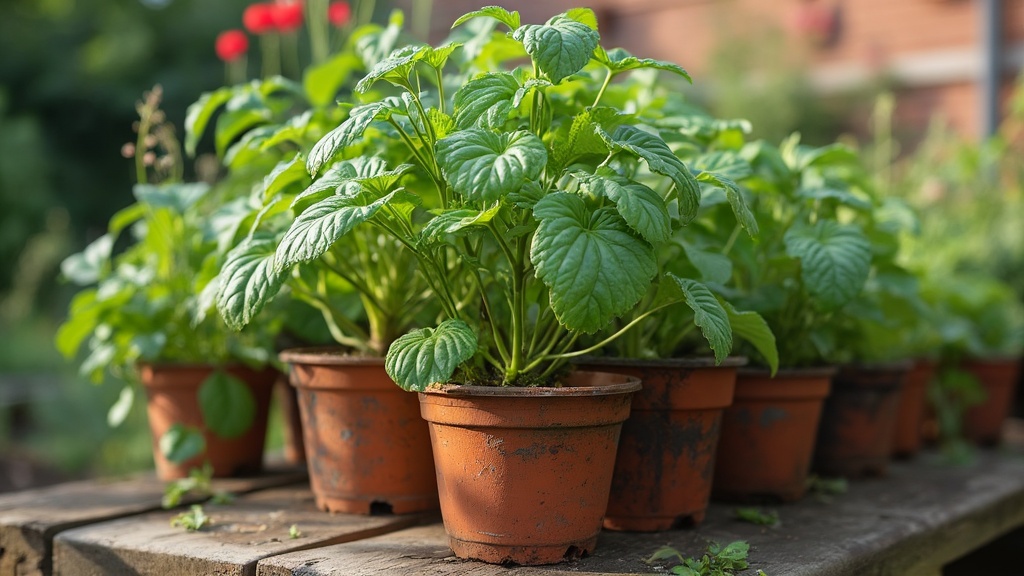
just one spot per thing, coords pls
(231, 45)
(259, 18)
(339, 13)
(287, 15)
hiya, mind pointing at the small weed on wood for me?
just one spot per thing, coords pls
(192, 520)
(716, 561)
(198, 483)
(758, 516)
(823, 489)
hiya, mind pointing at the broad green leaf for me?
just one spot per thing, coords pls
(120, 410)
(339, 179)
(83, 316)
(844, 197)
(832, 155)
(510, 19)
(395, 68)
(89, 265)
(582, 137)
(619, 60)
(437, 57)
(594, 266)
(383, 182)
(834, 259)
(322, 81)
(708, 313)
(321, 225)
(735, 196)
(560, 48)
(227, 405)
(660, 159)
(483, 165)
(583, 16)
(455, 221)
(248, 280)
(286, 172)
(345, 134)
(293, 131)
(642, 208)
(714, 267)
(241, 113)
(182, 443)
(125, 217)
(529, 86)
(750, 326)
(726, 163)
(480, 95)
(443, 124)
(430, 355)
(178, 197)
(275, 84)
(199, 113)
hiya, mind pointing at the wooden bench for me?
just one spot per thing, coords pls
(925, 514)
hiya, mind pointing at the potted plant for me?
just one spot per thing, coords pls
(367, 448)
(664, 469)
(141, 320)
(807, 266)
(514, 212)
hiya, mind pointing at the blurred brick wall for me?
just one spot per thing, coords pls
(930, 49)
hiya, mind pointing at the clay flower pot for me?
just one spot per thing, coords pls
(524, 473)
(983, 424)
(768, 435)
(667, 452)
(367, 448)
(857, 421)
(908, 434)
(172, 392)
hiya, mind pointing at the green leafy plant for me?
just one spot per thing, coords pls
(192, 520)
(716, 561)
(824, 489)
(757, 516)
(293, 532)
(145, 305)
(523, 201)
(198, 483)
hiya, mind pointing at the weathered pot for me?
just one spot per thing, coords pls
(857, 421)
(524, 473)
(908, 433)
(666, 458)
(983, 424)
(768, 435)
(173, 398)
(367, 449)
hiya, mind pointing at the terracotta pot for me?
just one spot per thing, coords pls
(667, 451)
(524, 473)
(768, 435)
(367, 449)
(857, 421)
(908, 433)
(288, 400)
(983, 424)
(172, 391)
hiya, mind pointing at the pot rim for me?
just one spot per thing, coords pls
(686, 362)
(631, 384)
(327, 356)
(807, 372)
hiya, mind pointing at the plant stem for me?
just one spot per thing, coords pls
(609, 339)
(600, 93)
(732, 239)
(318, 26)
(270, 43)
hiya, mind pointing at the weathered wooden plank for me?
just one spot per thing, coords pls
(922, 516)
(30, 519)
(241, 533)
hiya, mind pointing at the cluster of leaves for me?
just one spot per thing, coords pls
(530, 211)
(716, 561)
(150, 302)
(198, 484)
(824, 489)
(192, 520)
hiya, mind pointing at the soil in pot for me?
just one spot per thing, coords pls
(764, 454)
(367, 448)
(172, 392)
(857, 421)
(983, 424)
(524, 473)
(908, 433)
(666, 461)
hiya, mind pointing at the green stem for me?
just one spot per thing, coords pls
(600, 93)
(270, 44)
(337, 323)
(440, 89)
(609, 339)
(732, 239)
(318, 26)
(290, 43)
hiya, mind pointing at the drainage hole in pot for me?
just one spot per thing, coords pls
(574, 553)
(379, 508)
